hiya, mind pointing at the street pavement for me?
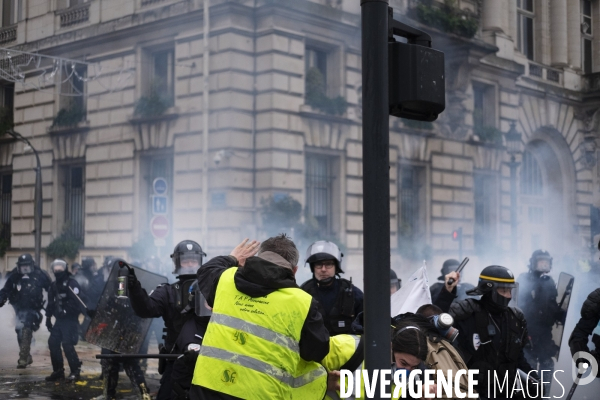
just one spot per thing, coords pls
(29, 383)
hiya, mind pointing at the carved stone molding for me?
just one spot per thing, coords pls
(153, 132)
(69, 142)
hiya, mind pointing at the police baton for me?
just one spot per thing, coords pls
(136, 356)
(459, 269)
(572, 391)
(78, 298)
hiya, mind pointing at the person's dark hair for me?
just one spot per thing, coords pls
(408, 338)
(282, 245)
(429, 310)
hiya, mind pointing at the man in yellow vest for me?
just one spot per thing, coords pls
(265, 336)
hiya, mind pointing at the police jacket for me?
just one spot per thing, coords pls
(590, 316)
(490, 340)
(25, 291)
(166, 301)
(443, 298)
(259, 278)
(537, 297)
(339, 303)
(62, 300)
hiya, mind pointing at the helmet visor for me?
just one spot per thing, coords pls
(323, 246)
(201, 307)
(25, 269)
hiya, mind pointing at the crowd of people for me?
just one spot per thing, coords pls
(244, 328)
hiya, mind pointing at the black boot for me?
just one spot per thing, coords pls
(74, 376)
(58, 375)
(24, 348)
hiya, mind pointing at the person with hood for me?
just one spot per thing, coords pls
(169, 301)
(492, 334)
(65, 305)
(24, 288)
(265, 337)
(339, 301)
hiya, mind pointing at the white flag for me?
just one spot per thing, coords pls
(413, 294)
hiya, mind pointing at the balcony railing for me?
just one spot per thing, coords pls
(545, 73)
(8, 34)
(148, 2)
(74, 15)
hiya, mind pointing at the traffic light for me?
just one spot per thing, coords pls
(457, 234)
(457, 237)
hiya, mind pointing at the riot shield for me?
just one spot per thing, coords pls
(115, 325)
(564, 288)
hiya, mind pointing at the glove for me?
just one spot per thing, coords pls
(49, 323)
(131, 278)
(2, 299)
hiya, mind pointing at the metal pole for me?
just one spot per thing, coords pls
(205, 122)
(376, 185)
(513, 207)
(38, 197)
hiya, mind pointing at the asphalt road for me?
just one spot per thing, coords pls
(29, 383)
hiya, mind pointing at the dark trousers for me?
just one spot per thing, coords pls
(65, 333)
(110, 370)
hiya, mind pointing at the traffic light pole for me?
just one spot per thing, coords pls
(376, 186)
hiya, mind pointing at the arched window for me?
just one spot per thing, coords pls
(531, 176)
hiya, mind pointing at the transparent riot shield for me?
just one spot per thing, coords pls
(115, 325)
(564, 288)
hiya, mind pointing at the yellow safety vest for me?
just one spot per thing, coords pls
(251, 346)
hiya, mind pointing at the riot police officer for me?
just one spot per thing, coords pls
(492, 334)
(24, 289)
(168, 301)
(339, 301)
(537, 299)
(65, 305)
(459, 292)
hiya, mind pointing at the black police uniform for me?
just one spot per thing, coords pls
(25, 294)
(64, 306)
(590, 317)
(537, 298)
(492, 336)
(166, 301)
(339, 303)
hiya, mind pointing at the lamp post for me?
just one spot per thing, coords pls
(37, 214)
(514, 146)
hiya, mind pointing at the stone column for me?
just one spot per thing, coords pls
(492, 16)
(574, 33)
(558, 38)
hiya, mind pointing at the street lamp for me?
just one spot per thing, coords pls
(37, 214)
(514, 146)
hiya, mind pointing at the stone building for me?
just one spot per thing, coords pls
(117, 100)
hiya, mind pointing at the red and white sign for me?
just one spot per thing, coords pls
(159, 226)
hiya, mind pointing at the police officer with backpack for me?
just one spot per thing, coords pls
(339, 301)
(169, 301)
(24, 290)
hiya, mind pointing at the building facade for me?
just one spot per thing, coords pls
(113, 95)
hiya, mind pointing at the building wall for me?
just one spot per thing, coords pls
(261, 128)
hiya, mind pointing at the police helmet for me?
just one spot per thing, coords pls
(87, 263)
(185, 251)
(449, 265)
(25, 263)
(324, 250)
(539, 255)
(492, 278)
(59, 265)
(394, 281)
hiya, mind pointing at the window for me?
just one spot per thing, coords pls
(586, 36)
(163, 75)
(316, 63)
(5, 205)
(319, 189)
(486, 204)
(74, 179)
(411, 185)
(7, 102)
(532, 183)
(525, 18)
(484, 110)
(73, 91)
